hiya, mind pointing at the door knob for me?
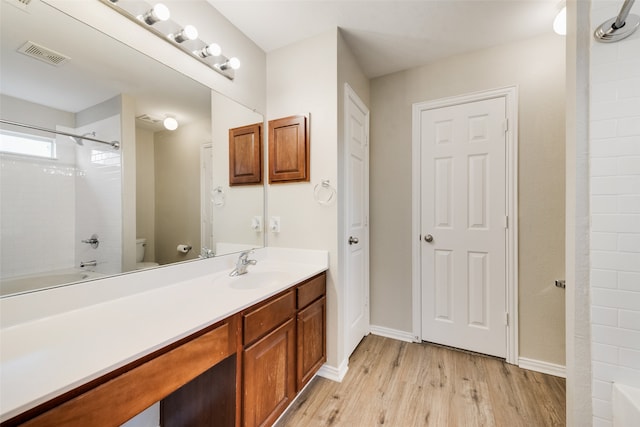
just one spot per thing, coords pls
(353, 240)
(428, 238)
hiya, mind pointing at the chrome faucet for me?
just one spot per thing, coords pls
(242, 264)
(207, 253)
(92, 263)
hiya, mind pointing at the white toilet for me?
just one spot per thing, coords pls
(140, 248)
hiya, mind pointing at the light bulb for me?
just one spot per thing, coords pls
(157, 13)
(233, 63)
(189, 32)
(560, 22)
(170, 123)
(210, 50)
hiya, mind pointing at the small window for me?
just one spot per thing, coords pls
(27, 145)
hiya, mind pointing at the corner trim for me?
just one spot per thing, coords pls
(542, 367)
(392, 333)
(332, 373)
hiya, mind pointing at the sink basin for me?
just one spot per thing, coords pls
(259, 279)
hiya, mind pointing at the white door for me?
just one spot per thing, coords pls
(357, 212)
(463, 221)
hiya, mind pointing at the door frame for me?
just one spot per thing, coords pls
(510, 94)
(351, 95)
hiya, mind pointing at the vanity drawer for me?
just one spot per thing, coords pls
(311, 290)
(265, 318)
(129, 390)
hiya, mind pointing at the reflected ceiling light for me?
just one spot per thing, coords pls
(157, 13)
(233, 63)
(212, 49)
(189, 32)
(170, 123)
(560, 22)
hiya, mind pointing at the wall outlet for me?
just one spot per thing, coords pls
(256, 223)
(274, 224)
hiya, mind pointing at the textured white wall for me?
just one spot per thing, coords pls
(615, 213)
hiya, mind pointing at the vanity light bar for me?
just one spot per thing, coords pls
(156, 19)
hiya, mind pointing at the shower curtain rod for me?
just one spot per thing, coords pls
(113, 144)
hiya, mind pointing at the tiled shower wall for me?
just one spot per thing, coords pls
(615, 212)
(38, 215)
(48, 206)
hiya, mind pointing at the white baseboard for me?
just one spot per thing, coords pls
(332, 373)
(543, 367)
(392, 333)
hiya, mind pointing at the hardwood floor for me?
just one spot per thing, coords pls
(395, 383)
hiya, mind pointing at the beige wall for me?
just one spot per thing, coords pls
(301, 79)
(177, 185)
(537, 67)
(309, 77)
(146, 191)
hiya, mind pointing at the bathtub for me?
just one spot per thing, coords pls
(626, 405)
(21, 284)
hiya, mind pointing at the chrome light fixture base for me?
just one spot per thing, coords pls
(608, 33)
(168, 31)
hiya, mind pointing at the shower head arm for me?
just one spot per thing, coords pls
(620, 27)
(624, 12)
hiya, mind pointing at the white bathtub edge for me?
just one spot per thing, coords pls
(625, 405)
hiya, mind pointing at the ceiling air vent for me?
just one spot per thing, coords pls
(43, 54)
(20, 4)
(148, 119)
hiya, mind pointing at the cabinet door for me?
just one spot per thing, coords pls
(312, 350)
(269, 380)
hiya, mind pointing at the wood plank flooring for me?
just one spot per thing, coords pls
(395, 383)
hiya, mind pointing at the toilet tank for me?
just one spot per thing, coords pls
(140, 246)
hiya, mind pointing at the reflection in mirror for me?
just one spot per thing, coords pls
(72, 209)
(237, 211)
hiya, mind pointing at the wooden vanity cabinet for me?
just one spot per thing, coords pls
(244, 370)
(268, 360)
(311, 329)
(284, 345)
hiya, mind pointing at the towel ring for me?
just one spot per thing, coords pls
(217, 195)
(324, 193)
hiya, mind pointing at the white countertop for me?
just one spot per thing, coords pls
(45, 356)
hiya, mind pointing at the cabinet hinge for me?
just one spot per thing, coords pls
(505, 125)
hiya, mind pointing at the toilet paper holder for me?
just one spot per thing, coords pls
(183, 248)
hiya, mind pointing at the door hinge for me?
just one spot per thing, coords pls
(366, 140)
(506, 319)
(506, 221)
(505, 125)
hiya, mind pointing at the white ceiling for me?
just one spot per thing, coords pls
(389, 36)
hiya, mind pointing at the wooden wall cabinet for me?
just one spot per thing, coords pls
(245, 155)
(289, 150)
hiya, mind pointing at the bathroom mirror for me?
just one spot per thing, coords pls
(73, 209)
